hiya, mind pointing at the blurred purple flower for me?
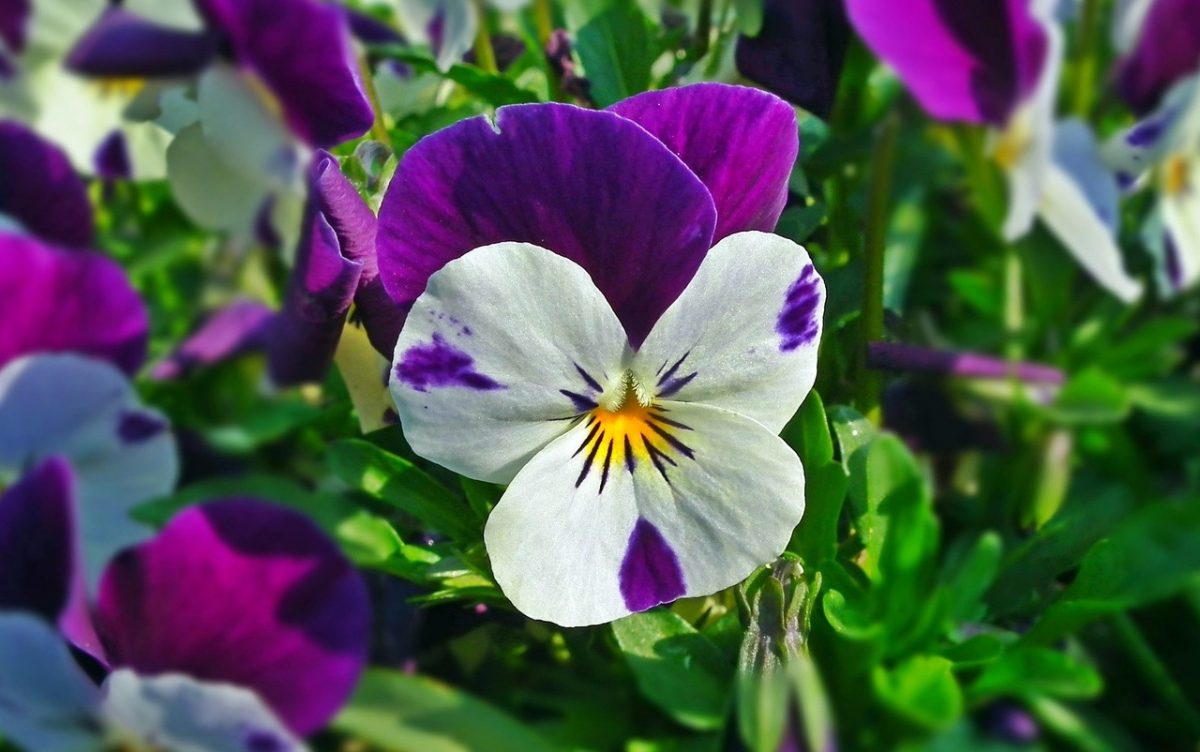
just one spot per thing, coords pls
(798, 52)
(57, 300)
(1166, 49)
(307, 64)
(168, 606)
(39, 191)
(238, 328)
(595, 188)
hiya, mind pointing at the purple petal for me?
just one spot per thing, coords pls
(355, 225)
(1167, 50)
(591, 186)
(54, 300)
(973, 62)
(121, 44)
(307, 62)
(305, 335)
(14, 23)
(112, 158)
(242, 592)
(39, 564)
(650, 573)
(39, 189)
(370, 30)
(233, 330)
(799, 51)
(741, 142)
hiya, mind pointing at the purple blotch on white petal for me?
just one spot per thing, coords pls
(650, 573)
(440, 364)
(134, 427)
(798, 324)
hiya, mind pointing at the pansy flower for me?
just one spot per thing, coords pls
(273, 80)
(1163, 151)
(998, 64)
(74, 329)
(40, 193)
(240, 626)
(575, 333)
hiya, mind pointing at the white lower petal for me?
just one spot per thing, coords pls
(505, 346)
(46, 701)
(84, 410)
(744, 335)
(181, 714)
(1181, 219)
(1067, 212)
(611, 520)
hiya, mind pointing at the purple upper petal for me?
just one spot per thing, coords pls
(242, 592)
(14, 23)
(370, 30)
(354, 223)
(1167, 50)
(39, 189)
(741, 142)
(237, 328)
(112, 157)
(53, 300)
(38, 558)
(305, 334)
(301, 49)
(591, 186)
(966, 61)
(798, 52)
(123, 44)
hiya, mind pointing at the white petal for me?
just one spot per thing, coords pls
(85, 410)
(1066, 211)
(1174, 126)
(179, 14)
(1181, 219)
(449, 26)
(610, 520)
(1127, 20)
(46, 701)
(181, 714)
(1033, 125)
(211, 194)
(504, 347)
(745, 333)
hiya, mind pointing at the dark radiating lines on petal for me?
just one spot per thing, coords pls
(679, 445)
(607, 461)
(591, 435)
(587, 377)
(630, 460)
(581, 402)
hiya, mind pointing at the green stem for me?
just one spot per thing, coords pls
(543, 17)
(379, 130)
(1155, 674)
(1014, 304)
(703, 29)
(1085, 58)
(485, 54)
(879, 204)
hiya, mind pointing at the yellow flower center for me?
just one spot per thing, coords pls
(1176, 176)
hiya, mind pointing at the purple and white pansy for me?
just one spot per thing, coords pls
(574, 332)
(178, 677)
(998, 64)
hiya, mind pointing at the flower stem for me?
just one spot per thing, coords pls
(703, 28)
(1014, 304)
(379, 130)
(543, 17)
(879, 201)
(1085, 58)
(1155, 674)
(485, 54)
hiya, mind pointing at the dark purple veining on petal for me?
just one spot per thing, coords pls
(440, 364)
(1147, 132)
(670, 383)
(1173, 262)
(650, 573)
(134, 427)
(798, 324)
(581, 403)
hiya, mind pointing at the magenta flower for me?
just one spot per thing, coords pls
(240, 616)
(307, 63)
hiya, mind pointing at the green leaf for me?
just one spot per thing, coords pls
(922, 690)
(748, 15)
(403, 713)
(493, 88)
(402, 484)
(1150, 556)
(617, 50)
(816, 537)
(808, 432)
(1028, 671)
(1091, 397)
(968, 578)
(676, 668)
